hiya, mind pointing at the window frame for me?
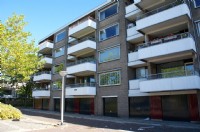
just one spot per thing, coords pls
(195, 5)
(57, 88)
(106, 9)
(60, 55)
(109, 49)
(107, 28)
(109, 73)
(197, 24)
(59, 34)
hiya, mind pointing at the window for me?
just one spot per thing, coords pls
(141, 73)
(109, 78)
(57, 84)
(198, 27)
(58, 68)
(109, 54)
(60, 36)
(108, 12)
(197, 3)
(59, 52)
(109, 32)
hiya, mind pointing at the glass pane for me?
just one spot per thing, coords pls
(108, 12)
(111, 78)
(109, 32)
(110, 54)
(60, 36)
(59, 52)
(197, 3)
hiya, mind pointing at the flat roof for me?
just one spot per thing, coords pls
(98, 7)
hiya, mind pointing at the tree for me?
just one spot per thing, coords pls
(19, 58)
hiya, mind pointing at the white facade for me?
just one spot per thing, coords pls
(177, 46)
(42, 77)
(82, 48)
(170, 84)
(163, 16)
(133, 34)
(132, 11)
(84, 68)
(45, 45)
(41, 93)
(80, 91)
(83, 28)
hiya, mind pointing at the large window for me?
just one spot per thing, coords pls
(197, 3)
(109, 32)
(60, 36)
(110, 78)
(141, 73)
(108, 12)
(109, 54)
(59, 52)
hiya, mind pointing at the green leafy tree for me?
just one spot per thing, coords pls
(19, 58)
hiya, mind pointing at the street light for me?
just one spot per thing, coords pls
(63, 74)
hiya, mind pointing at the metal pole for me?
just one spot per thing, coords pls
(62, 100)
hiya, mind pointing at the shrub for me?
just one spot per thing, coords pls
(9, 112)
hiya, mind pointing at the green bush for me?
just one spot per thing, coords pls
(9, 112)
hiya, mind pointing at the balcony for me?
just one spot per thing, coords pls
(171, 81)
(133, 35)
(82, 67)
(48, 61)
(41, 93)
(132, 11)
(45, 47)
(147, 4)
(82, 28)
(168, 16)
(82, 47)
(133, 60)
(44, 76)
(86, 89)
(168, 48)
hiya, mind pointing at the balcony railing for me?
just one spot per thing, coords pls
(171, 5)
(80, 40)
(38, 89)
(179, 73)
(81, 85)
(90, 60)
(164, 40)
(81, 21)
(43, 72)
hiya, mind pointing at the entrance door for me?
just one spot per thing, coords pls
(175, 107)
(110, 106)
(57, 105)
(69, 105)
(85, 105)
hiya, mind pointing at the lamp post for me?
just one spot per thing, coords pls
(63, 74)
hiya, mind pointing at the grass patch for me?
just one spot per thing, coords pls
(9, 112)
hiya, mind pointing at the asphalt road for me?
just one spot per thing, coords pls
(83, 124)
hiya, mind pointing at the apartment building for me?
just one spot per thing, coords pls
(126, 58)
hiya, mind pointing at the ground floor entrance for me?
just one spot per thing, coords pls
(110, 106)
(166, 107)
(80, 105)
(41, 103)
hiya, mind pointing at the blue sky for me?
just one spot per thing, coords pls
(46, 16)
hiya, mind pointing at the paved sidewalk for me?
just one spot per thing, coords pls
(85, 123)
(123, 120)
(49, 121)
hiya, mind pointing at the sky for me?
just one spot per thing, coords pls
(46, 16)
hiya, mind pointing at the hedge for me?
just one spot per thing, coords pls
(9, 112)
